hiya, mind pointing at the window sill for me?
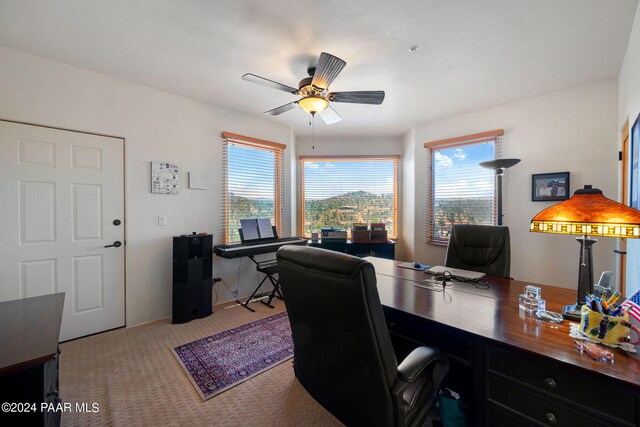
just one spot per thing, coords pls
(437, 243)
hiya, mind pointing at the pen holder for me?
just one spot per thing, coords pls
(602, 327)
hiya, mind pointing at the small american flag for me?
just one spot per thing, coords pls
(634, 303)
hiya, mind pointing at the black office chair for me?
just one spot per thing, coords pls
(343, 354)
(483, 248)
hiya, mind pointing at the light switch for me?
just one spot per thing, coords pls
(162, 220)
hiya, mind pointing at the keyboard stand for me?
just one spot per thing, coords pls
(268, 268)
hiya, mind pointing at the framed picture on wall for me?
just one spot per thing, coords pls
(634, 187)
(548, 187)
(165, 178)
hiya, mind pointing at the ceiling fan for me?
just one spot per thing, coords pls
(315, 90)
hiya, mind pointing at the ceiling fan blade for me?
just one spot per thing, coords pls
(329, 116)
(327, 70)
(281, 109)
(270, 83)
(358, 97)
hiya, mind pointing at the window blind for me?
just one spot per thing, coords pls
(336, 191)
(253, 180)
(459, 190)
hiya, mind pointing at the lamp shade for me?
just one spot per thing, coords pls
(313, 104)
(500, 163)
(588, 213)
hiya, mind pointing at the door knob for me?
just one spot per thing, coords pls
(116, 244)
(117, 222)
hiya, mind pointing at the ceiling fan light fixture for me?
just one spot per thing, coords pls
(313, 104)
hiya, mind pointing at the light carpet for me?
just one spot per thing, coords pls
(136, 381)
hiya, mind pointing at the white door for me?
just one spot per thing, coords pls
(60, 193)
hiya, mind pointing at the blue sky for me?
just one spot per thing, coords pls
(457, 172)
(328, 179)
(251, 172)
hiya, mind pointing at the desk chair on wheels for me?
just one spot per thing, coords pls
(343, 354)
(482, 248)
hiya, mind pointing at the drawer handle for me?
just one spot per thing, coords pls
(551, 419)
(550, 382)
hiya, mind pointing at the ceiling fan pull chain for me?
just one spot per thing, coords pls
(313, 131)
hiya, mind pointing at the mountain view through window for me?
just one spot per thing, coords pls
(251, 186)
(463, 191)
(336, 192)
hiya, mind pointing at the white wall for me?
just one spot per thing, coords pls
(570, 130)
(347, 145)
(406, 244)
(628, 109)
(156, 126)
(293, 173)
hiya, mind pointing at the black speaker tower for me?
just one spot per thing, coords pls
(192, 277)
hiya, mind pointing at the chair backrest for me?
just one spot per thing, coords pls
(343, 354)
(484, 248)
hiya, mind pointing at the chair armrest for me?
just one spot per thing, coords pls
(420, 376)
(413, 365)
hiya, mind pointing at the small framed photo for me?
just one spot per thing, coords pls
(550, 187)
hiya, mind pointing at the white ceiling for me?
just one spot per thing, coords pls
(473, 54)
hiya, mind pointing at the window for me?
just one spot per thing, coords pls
(253, 180)
(459, 190)
(336, 191)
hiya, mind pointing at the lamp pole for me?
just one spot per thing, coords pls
(499, 165)
(499, 174)
(585, 278)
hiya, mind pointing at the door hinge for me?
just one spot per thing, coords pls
(620, 156)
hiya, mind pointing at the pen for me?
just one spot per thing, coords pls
(613, 298)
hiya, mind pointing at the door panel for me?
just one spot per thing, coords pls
(87, 212)
(61, 191)
(37, 212)
(87, 283)
(38, 277)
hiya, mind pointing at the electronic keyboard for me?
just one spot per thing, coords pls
(261, 246)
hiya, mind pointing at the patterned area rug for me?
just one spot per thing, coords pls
(224, 360)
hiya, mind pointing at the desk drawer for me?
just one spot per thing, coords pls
(527, 405)
(496, 416)
(557, 380)
(454, 343)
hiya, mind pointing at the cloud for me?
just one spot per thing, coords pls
(442, 160)
(464, 189)
(460, 154)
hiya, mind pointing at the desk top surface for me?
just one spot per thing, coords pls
(29, 331)
(493, 314)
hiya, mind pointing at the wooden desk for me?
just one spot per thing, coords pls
(514, 369)
(29, 333)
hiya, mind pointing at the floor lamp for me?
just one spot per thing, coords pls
(587, 213)
(499, 165)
